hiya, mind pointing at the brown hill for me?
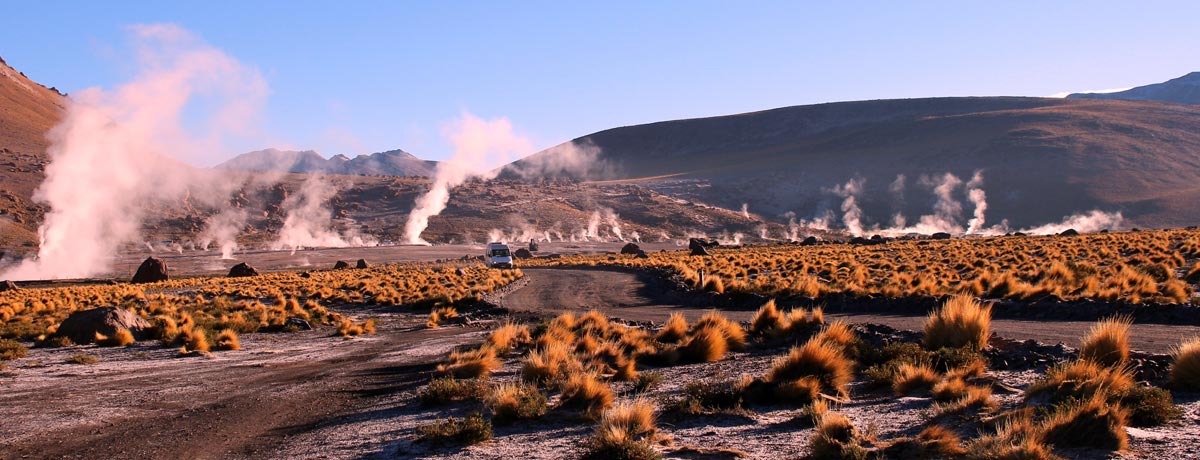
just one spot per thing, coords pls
(27, 111)
(1042, 159)
(1182, 90)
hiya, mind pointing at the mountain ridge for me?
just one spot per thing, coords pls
(388, 163)
(1182, 90)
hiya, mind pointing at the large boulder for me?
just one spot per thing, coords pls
(1069, 232)
(81, 327)
(151, 271)
(242, 270)
(533, 246)
(362, 263)
(341, 265)
(630, 248)
(523, 254)
(7, 285)
(697, 247)
(940, 236)
(810, 241)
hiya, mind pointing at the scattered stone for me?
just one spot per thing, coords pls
(1069, 232)
(522, 254)
(362, 263)
(460, 272)
(81, 327)
(151, 271)
(940, 236)
(697, 247)
(341, 265)
(305, 275)
(297, 323)
(242, 270)
(630, 248)
(810, 241)
(642, 254)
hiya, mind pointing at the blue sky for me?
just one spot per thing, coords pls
(358, 77)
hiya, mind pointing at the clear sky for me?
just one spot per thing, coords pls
(357, 77)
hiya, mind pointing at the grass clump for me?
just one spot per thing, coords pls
(445, 390)
(508, 336)
(121, 338)
(961, 322)
(705, 346)
(836, 438)
(1107, 343)
(675, 329)
(1080, 380)
(626, 432)
(82, 359)
(475, 364)
(815, 358)
(1093, 423)
(912, 379)
(1185, 370)
(440, 315)
(710, 396)
(12, 349)
(228, 340)
(934, 442)
(1149, 406)
(516, 401)
(647, 381)
(548, 365)
(587, 392)
(474, 429)
(767, 320)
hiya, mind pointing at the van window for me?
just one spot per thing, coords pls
(499, 253)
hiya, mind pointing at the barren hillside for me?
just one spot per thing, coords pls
(1041, 159)
(27, 111)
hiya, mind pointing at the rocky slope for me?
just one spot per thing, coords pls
(389, 163)
(1182, 90)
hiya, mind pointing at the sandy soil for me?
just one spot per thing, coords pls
(309, 395)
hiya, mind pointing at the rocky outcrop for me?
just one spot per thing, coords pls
(82, 326)
(242, 270)
(151, 271)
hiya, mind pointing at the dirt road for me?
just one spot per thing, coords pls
(637, 298)
(142, 402)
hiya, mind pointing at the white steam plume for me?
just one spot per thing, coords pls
(223, 228)
(109, 154)
(1089, 222)
(852, 214)
(478, 143)
(308, 221)
(746, 210)
(977, 196)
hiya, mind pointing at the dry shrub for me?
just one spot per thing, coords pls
(704, 346)
(440, 315)
(626, 371)
(228, 340)
(836, 438)
(675, 329)
(451, 431)
(961, 322)
(912, 379)
(82, 359)
(1093, 423)
(815, 358)
(516, 401)
(974, 399)
(803, 391)
(508, 336)
(1149, 406)
(195, 341)
(165, 329)
(587, 392)
(735, 336)
(838, 334)
(1107, 343)
(12, 349)
(950, 389)
(1080, 380)
(934, 442)
(1185, 370)
(121, 338)
(548, 365)
(647, 381)
(767, 319)
(443, 390)
(473, 364)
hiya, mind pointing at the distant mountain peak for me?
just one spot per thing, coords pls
(390, 163)
(1182, 90)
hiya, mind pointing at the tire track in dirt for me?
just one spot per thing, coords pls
(637, 297)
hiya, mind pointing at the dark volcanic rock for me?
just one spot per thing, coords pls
(697, 247)
(533, 246)
(341, 265)
(642, 254)
(810, 241)
(81, 327)
(940, 236)
(362, 263)
(297, 323)
(630, 248)
(7, 285)
(151, 271)
(1069, 232)
(522, 254)
(241, 270)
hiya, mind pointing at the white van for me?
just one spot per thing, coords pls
(497, 255)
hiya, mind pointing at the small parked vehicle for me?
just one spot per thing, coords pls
(497, 255)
